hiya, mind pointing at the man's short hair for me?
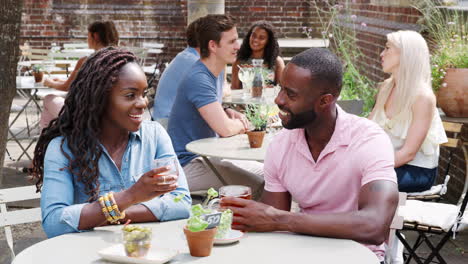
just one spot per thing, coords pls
(325, 68)
(209, 28)
(191, 33)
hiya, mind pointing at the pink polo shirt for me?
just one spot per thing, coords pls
(358, 152)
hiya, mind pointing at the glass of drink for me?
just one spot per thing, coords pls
(238, 191)
(246, 76)
(171, 163)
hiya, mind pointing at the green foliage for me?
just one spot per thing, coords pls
(37, 68)
(258, 116)
(338, 26)
(447, 32)
(195, 222)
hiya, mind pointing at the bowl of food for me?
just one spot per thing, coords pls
(136, 240)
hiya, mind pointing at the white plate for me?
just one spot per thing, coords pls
(155, 255)
(233, 236)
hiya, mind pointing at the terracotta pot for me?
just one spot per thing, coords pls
(38, 76)
(256, 138)
(257, 91)
(200, 243)
(453, 98)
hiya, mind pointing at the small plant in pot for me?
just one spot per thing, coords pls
(38, 73)
(203, 224)
(258, 117)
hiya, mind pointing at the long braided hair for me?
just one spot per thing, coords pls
(79, 120)
(272, 50)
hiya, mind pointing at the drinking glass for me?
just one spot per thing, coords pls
(246, 76)
(238, 191)
(171, 163)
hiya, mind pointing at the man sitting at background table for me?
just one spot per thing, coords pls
(174, 73)
(197, 112)
(337, 166)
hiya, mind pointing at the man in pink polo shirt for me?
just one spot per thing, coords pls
(338, 167)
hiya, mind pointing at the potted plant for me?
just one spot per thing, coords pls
(38, 73)
(202, 226)
(447, 32)
(258, 116)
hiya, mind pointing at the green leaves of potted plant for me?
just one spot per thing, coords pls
(258, 117)
(38, 73)
(447, 34)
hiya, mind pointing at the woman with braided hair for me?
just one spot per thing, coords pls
(93, 163)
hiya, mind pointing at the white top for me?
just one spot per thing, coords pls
(397, 129)
(273, 247)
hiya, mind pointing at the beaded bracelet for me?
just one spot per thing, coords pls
(115, 207)
(110, 208)
(104, 210)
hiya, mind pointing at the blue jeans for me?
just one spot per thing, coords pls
(415, 179)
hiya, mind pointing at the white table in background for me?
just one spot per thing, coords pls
(236, 147)
(272, 248)
(237, 97)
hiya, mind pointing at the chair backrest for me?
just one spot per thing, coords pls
(454, 142)
(73, 46)
(153, 47)
(38, 54)
(436, 192)
(140, 53)
(19, 216)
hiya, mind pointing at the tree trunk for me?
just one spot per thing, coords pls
(10, 22)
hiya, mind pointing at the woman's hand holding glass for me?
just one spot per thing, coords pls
(156, 182)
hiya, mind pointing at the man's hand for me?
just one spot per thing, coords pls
(233, 114)
(253, 216)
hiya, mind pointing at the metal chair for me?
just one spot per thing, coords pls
(452, 144)
(10, 218)
(424, 229)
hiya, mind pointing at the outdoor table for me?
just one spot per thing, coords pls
(67, 64)
(237, 97)
(236, 147)
(273, 247)
(59, 63)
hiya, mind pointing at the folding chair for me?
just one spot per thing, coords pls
(140, 53)
(10, 218)
(436, 192)
(435, 218)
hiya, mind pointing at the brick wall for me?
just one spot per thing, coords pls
(288, 17)
(60, 21)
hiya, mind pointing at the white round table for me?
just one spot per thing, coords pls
(235, 147)
(277, 247)
(236, 97)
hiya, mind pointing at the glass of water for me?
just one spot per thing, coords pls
(171, 163)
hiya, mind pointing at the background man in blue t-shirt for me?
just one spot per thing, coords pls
(197, 112)
(174, 73)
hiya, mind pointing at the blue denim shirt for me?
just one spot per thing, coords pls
(63, 195)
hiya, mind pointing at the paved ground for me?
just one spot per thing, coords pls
(455, 251)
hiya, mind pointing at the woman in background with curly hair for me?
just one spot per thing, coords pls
(99, 148)
(259, 43)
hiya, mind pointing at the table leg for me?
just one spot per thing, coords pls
(213, 168)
